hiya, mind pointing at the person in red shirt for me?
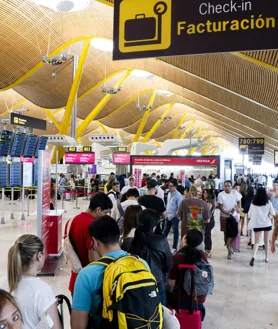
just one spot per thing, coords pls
(189, 255)
(144, 180)
(100, 205)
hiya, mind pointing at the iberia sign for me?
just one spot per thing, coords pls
(151, 28)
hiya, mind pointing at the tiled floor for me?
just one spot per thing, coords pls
(244, 297)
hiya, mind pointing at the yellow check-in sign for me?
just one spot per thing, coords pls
(145, 27)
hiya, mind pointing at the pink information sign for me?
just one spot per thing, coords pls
(80, 158)
(121, 158)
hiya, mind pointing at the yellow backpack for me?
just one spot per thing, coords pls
(130, 295)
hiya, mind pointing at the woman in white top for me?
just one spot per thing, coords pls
(35, 298)
(260, 214)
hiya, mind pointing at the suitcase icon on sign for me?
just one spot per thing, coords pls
(144, 30)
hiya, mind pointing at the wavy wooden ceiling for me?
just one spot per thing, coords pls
(230, 95)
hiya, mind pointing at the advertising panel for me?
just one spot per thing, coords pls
(178, 161)
(44, 220)
(80, 158)
(27, 174)
(121, 158)
(155, 28)
(251, 146)
(138, 177)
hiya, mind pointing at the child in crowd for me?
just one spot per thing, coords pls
(10, 316)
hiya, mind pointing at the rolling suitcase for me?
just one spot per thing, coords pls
(60, 301)
(189, 319)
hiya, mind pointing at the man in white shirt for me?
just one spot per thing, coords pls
(114, 196)
(229, 202)
(129, 186)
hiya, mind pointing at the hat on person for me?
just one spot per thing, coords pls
(115, 183)
(152, 183)
(194, 238)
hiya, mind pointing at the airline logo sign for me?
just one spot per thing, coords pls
(151, 28)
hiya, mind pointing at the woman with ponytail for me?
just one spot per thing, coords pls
(35, 298)
(189, 255)
(153, 248)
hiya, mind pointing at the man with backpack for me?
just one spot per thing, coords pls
(114, 196)
(100, 204)
(115, 286)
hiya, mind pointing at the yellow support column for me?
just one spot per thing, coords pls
(145, 118)
(189, 127)
(52, 118)
(158, 144)
(100, 106)
(176, 132)
(191, 151)
(104, 130)
(199, 132)
(158, 122)
(12, 107)
(73, 92)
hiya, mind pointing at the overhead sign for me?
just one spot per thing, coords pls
(276, 158)
(122, 149)
(251, 146)
(80, 158)
(257, 159)
(121, 158)
(178, 161)
(87, 149)
(25, 121)
(155, 28)
(72, 149)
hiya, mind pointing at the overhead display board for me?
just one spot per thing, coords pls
(276, 158)
(41, 146)
(174, 161)
(16, 174)
(251, 146)
(87, 149)
(72, 149)
(18, 144)
(4, 174)
(155, 28)
(5, 142)
(25, 121)
(257, 160)
(30, 146)
(80, 158)
(122, 149)
(121, 158)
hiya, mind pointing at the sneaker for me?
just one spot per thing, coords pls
(252, 261)
(229, 255)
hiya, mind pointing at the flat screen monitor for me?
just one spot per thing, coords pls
(18, 145)
(30, 146)
(5, 142)
(121, 158)
(4, 174)
(41, 145)
(276, 158)
(16, 174)
(80, 158)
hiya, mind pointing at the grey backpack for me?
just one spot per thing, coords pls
(203, 277)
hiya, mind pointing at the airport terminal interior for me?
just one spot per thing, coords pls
(122, 137)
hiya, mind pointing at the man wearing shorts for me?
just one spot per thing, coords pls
(229, 202)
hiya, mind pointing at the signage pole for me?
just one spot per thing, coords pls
(22, 204)
(12, 199)
(3, 213)
(56, 185)
(74, 112)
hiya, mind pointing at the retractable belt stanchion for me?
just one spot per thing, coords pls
(3, 213)
(76, 201)
(22, 204)
(12, 199)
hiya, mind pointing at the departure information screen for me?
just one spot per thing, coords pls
(36, 173)
(5, 142)
(18, 145)
(4, 174)
(30, 146)
(15, 174)
(41, 145)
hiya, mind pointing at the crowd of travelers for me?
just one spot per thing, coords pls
(120, 256)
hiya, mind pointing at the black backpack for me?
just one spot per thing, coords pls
(231, 227)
